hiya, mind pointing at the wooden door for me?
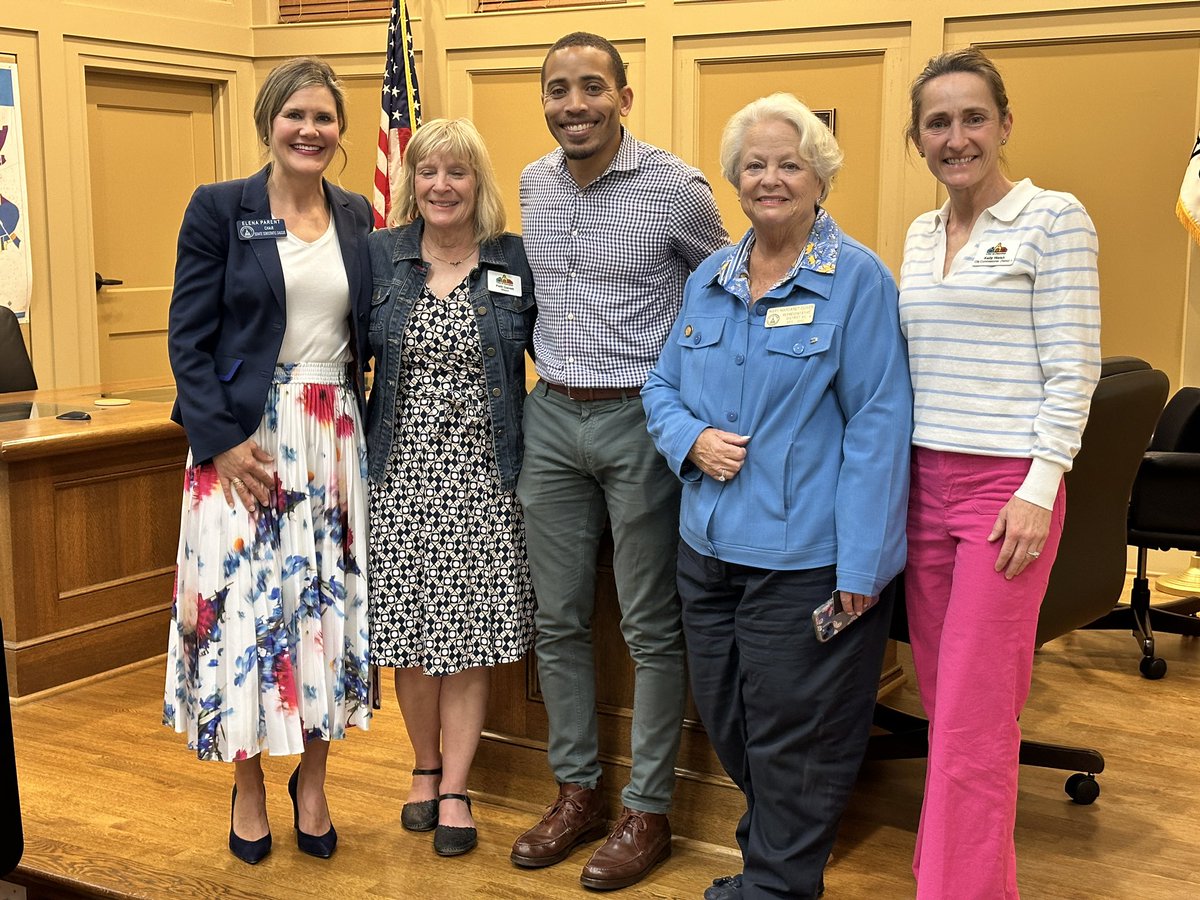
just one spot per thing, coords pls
(150, 142)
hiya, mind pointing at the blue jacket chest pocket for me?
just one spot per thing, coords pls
(699, 359)
(513, 315)
(699, 332)
(379, 302)
(801, 341)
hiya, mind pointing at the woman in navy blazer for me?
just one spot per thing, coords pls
(268, 645)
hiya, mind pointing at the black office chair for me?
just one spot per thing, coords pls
(1089, 572)
(16, 371)
(1164, 514)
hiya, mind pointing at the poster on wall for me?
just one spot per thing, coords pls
(16, 268)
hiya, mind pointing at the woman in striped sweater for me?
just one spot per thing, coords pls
(999, 302)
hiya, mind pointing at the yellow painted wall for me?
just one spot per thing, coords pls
(1105, 96)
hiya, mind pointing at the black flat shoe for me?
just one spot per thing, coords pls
(322, 845)
(251, 852)
(453, 840)
(422, 815)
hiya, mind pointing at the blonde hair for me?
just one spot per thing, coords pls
(459, 139)
(817, 147)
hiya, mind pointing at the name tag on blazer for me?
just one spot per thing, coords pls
(261, 229)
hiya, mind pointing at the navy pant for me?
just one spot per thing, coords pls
(787, 715)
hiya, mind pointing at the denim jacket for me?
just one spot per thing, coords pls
(505, 333)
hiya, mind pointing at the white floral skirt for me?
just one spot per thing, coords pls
(268, 643)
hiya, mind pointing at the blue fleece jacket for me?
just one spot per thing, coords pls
(816, 373)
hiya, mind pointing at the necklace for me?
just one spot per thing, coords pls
(452, 263)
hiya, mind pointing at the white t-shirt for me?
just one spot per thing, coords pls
(318, 299)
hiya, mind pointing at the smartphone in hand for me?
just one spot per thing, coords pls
(829, 619)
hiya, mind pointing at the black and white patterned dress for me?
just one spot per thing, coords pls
(450, 583)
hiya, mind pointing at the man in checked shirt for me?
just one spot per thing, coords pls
(612, 229)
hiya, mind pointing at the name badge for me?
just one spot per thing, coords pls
(503, 283)
(791, 315)
(261, 229)
(997, 254)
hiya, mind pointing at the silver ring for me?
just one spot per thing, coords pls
(1033, 554)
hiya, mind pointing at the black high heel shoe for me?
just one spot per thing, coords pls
(422, 815)
(455, 840)
(251, 852)
(321, 846)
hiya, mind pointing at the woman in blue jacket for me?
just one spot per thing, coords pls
(451, 320)
(268, 641)
(782, 401)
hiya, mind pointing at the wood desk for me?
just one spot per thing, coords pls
(89, 524)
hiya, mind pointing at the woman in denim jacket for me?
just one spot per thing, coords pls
(451, 319)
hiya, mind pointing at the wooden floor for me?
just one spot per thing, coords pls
(112, 800)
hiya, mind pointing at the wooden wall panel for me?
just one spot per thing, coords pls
(103, 532)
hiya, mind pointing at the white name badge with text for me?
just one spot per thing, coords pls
(994, 254)
(791, 315)
(503, 283)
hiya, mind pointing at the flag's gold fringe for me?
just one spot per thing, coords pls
(1189, 222)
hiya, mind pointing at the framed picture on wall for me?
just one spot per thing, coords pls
(828, 116)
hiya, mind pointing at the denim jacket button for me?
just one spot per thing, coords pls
(496, 392)
(481, 310)
(490, 351)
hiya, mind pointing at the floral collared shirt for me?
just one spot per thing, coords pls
(820, 254)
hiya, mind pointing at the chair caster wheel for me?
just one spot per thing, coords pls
(1152, 667)
(1082, 789)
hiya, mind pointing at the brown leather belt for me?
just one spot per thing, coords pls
(586, 393)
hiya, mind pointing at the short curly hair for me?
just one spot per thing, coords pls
(817, 145)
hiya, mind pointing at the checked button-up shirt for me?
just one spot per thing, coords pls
(609, 260)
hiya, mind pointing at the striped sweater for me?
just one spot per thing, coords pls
(1005, 349)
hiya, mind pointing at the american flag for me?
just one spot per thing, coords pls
(400, 111)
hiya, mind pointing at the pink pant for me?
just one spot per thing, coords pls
(972, 638)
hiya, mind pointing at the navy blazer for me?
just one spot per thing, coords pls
(228, 312)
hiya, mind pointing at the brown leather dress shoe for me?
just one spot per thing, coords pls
(577, 816)
(638, 842)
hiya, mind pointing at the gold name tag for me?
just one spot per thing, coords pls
(791, 315)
